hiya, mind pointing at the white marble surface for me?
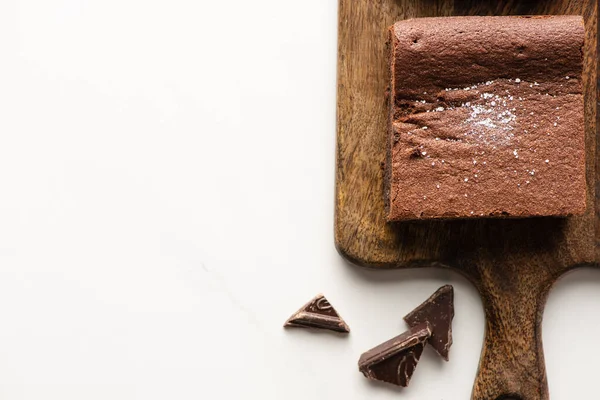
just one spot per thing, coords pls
(166, 175)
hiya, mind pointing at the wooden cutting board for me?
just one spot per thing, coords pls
(513, 263)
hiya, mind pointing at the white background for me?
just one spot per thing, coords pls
(166, 202)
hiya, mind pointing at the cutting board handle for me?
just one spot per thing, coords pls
(512, 360)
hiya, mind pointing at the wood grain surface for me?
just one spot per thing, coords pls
(512, 263)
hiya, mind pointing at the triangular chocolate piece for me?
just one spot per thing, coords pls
(395, 361)
(438, 310)
(320, 314)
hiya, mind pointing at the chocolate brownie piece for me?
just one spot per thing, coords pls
(486, 118)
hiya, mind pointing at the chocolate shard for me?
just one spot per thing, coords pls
(320, 314)
(438, 311)
(395, 361)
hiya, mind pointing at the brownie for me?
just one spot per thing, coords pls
(486, 118)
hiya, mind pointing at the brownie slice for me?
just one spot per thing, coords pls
(486, 118)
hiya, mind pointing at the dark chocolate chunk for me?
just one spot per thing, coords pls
(438, 311)
(395, 361)
(320, 314)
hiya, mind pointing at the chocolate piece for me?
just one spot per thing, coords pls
(320, 314)
(395, 361)
(486, 118)
(438, 311)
